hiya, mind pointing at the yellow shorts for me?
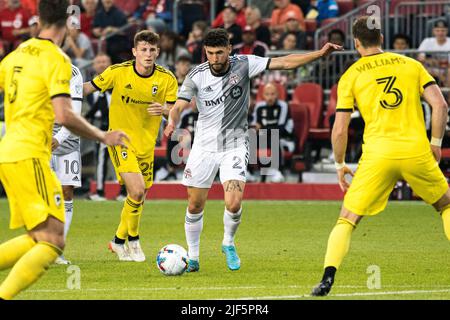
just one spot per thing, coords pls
(375, 179)
(33, 191)
(125, 160)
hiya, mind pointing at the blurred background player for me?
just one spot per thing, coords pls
(66, 156)
(395, 141)
(222, 89)
(36, 78)
(142, 92)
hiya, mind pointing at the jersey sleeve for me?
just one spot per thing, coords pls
(172, 89)
(58, 78)
(256, 65)
(105, 80)
(346, 100)
(425, 79)
(188, 89)
(76, 85)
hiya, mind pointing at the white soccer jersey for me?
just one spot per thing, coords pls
(69, 142)
(222, 101)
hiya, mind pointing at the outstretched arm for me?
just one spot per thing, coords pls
(174, 116)
(293, 61)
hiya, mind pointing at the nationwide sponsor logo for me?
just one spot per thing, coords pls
(128, 99)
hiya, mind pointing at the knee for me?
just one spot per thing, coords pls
(56, 240)
(233, 206)
(195, 206)
(137, 193)
(68, 194)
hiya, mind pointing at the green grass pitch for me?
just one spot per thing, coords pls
(401, 253)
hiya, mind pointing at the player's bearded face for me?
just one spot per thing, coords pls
(218, 58)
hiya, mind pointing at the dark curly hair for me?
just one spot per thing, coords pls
(53, 12)
(217, 38)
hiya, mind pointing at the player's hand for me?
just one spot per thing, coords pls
(155, 109)
(170, 128)
(329, 47)
(55, 144)
(343, 183)
(436, 152)
(115, 138)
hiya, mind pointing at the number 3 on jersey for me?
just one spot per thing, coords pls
(388, 89)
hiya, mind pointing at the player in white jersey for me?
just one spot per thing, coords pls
(222, 89)
(66, 156)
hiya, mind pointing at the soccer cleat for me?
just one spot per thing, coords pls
(323, 288)
(62, 260)
(135, 251)
(96, 197)
(193, 266)
(233, 261)
(121, 250)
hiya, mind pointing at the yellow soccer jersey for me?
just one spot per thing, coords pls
(30, 76)
(386, 88)
(131, 95)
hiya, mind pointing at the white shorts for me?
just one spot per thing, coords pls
(68, 168)
(201, 167)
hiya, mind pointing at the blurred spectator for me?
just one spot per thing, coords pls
(326, 9)
(194, 42)
(249, 44)
(157, 14)
(239, 6)
(128, 7)
(303, 4)
(99, 115)
(33, 24)
(401, 42)
(437, 64)
(14, 24)
(293, 27)
(229, 23)
(273, 114)
(265, 6)
(337, 36)
(87, 17)
(285, 9)
(78, 46)
(107, 23)
(289, 42)
(31, 6)
(191, 11)
(171, 50)
(2, 50)
(253, 17)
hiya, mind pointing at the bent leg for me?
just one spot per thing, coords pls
(443, 206)
(234, 193)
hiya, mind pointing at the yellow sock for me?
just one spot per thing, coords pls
(122, 229)
(446, 220)
(30, 267)
(11, 251)
(339, 243)
(134, 216)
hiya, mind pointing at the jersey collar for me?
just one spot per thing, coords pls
(140, 75)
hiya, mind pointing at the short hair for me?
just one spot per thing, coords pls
(337, 31)
(402, 36)
(146, 36)
(217, 38)
(440, 23)
(368, 31)
(53, 13)
(184, 58)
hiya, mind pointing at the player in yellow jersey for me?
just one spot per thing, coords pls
(141, 93)
(35, 80)
(387, 88)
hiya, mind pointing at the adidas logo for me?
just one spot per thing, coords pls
(128, 86)
(208, 89)
(75, 179)
(242, 173)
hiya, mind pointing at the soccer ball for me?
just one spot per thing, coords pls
(172, 260)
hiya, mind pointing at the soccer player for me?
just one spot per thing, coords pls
(66, 156)
(35, 78)
(387, 88)
(142, 92)
(222, 89)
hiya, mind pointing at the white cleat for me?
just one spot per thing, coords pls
(121, 250)
(62, 260)
(96, 197)
(136, 252)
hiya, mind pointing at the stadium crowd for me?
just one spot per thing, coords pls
(104, 31)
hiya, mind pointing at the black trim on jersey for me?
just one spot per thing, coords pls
(40, 180)
(268, 64)
(121, 65)
(77, 99)
(373, 54)
(170, 102)
(429, 84)
(185, 99)
(95, 86)
(140, 75)
(344, 110)
(60, 95)
(200, 68)
(115, 156)
(39, 38)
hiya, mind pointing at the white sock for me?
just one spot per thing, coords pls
(68, 209)
(231, 222)
(193, 227)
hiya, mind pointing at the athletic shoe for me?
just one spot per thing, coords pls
(121, 250)
(62, 260)
(193, 266)
(323, 288)
(233, 261)
(121, 197)
(96, 197)
(135, 251)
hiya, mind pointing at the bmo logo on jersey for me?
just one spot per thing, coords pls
(234, 92)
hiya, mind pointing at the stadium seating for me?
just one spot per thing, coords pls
(300, 158)
(311, 95)
(345, 6)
